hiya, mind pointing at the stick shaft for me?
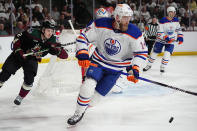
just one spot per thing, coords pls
(71, 25)
(150, 81)
(71, 43)
(31, 53)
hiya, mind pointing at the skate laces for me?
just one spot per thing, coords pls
(147, 67)
(76, 116)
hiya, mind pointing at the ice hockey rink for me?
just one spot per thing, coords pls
(140, 107)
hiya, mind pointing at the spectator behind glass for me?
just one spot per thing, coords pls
(145, 14)
(150, 5)
(172, 3)
(2, 8)
(193, 26)
(193, 5)
(38, 14)
(2, 31)
(36, 3)
(82, 15)
(66, 12)
(156, 11)
(55, 14)
(61, 28)
(8, 5)
(45, 12)
(35, 22)
(183, 27)
(20, 3)
(185, 19)
(19, 27)
(62, 21)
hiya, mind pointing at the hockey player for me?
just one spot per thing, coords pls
(168, 34)
(119, 44)
(36, 43)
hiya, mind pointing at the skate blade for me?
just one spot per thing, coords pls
(117, 92)
(70, 126)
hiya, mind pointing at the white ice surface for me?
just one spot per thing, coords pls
(141, 107)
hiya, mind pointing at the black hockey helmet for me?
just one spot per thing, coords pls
(48, 24)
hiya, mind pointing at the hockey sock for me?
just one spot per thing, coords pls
(152, 58)
(165, 59)
(24, 90)
(86, 92)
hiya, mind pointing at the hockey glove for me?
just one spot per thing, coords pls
(19, 54)
(180, 39)
(168, 40)
(83, 58)
(54, 51)
(63, 54)
(133, 74)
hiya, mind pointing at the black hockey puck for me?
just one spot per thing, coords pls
(171, 119)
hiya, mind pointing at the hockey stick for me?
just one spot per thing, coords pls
(150, 81)
(33, 53)
(71, 25)
(67, 44)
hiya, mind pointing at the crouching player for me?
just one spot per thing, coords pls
(119, 45)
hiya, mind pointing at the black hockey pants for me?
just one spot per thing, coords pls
(12, 64)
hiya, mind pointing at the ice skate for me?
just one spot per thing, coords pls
(75, 118)
(116, 89)
(1, 84)
(18, 100)
(147, 68)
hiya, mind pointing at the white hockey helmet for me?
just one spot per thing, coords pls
(171, 9)
(101, 12)
(122, 10)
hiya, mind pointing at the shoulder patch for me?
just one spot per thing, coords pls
(104, 22)
(134, 31)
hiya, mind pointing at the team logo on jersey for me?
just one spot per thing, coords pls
(112, 47)
(170, 31)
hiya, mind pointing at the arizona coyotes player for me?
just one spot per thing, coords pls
(28, 49)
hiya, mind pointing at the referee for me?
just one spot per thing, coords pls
(150, 33)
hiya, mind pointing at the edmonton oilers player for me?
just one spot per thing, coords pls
(168, 33)
(119, 44)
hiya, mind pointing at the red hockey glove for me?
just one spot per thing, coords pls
(63, 54)
(133, 74)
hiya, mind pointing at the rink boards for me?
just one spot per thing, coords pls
(187, 48)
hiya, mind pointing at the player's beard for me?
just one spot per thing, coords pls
(123, 27)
